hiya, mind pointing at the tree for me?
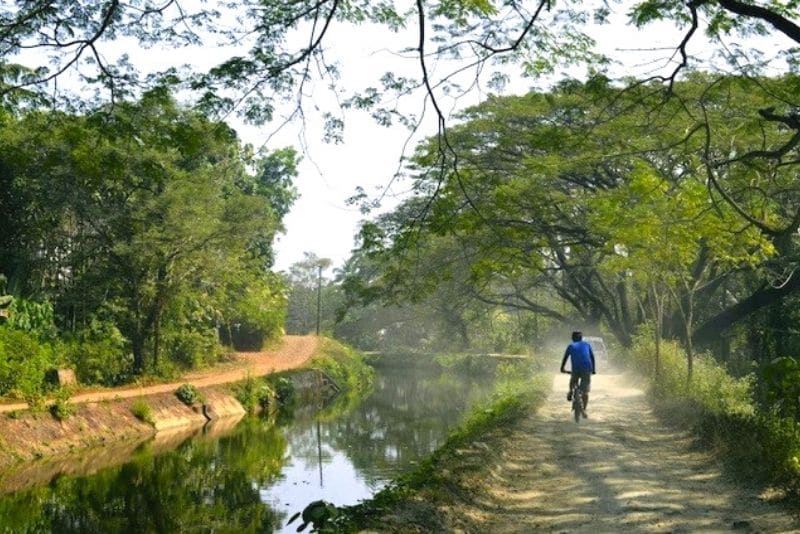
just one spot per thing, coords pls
(265, 65)
(312, 304)
(153, 211)
(551, 188)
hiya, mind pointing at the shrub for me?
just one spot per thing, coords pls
(761, 445)
(192, 348)
(61, 409)
(188, 394)
(254, 394)
(284, 389)
(142, 411)
(23, 363)
(99, 356)
(36, 318)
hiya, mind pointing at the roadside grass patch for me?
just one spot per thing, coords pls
(142, 411)
(757, 444)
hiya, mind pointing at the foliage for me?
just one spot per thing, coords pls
(98, 354)
(344, 365)
(254, 394)
(711, 389)
(761, 444)
(34, 317)
(142, 411)
(192, 349)
(589, 204)
(781, 384)
(283, 388)
(147, 216)
(24, 360)
(188, 394)
(61, 408)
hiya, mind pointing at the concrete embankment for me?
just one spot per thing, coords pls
(31, 435)
(104, 433)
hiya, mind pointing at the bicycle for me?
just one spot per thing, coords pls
(577, 400)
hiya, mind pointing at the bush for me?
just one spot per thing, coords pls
(254, 394)
(345, 366)
(284, 389)
(142, 411)
(761, 445)
(23, 363)
(61, 409)
(36, 318)
(99, 356)
(188, 394)
(192, 348)
(258, 315)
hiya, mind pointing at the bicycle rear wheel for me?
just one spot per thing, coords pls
(577, 404)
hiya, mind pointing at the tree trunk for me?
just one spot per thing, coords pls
(137, 346)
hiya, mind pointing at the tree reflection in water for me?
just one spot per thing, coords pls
(254, 478)
(202, 486)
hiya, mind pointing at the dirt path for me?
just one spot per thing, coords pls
(619, 471)
(293, 352)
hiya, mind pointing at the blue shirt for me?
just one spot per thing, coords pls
(581, 357)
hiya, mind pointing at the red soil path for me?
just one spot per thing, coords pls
(293, 352)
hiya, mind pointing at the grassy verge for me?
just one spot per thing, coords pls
(756, 444)
(343, 364)
(443, 477)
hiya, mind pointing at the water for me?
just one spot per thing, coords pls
(254, 477)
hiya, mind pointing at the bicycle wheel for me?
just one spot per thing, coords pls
(577, 404)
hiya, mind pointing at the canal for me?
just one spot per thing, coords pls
(253, 476)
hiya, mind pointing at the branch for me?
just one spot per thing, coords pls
(780, 23)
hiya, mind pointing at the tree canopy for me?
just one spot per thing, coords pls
(595, 203)
(145, 216)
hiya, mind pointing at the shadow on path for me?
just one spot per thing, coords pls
(619, 471)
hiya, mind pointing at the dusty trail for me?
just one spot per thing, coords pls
(619, 471)
(292, 353)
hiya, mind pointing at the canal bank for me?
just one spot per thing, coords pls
(66, 427)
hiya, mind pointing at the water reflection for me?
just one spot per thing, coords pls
(255, 477)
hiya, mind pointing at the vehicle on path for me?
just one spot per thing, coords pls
(598, 348)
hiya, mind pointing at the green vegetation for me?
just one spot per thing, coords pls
(283, 388)
(136, 239)
(188, 394)
(61, 408)
(758, 441)
(24, 360)
(255, 394)
(142, 410)
(345, 366)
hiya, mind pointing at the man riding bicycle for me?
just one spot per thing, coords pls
(581, 358)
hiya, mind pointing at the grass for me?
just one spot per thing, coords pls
(757, 445)
(142, 411)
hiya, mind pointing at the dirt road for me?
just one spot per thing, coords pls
(619, 471)
(292, 352)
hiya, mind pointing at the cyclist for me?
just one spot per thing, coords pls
(581, 358)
